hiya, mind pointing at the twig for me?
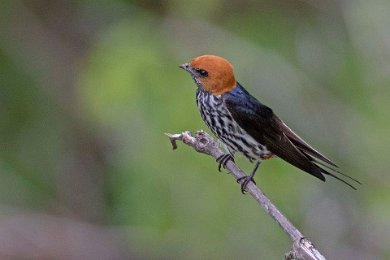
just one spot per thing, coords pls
(302, 248)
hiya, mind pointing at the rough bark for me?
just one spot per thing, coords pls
(302, 248)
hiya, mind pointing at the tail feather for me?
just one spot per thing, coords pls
(330, 168)
(338, 178)
(319, 170)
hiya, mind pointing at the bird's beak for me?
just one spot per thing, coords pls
(185, 66)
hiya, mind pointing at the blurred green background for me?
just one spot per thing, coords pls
(88, 89)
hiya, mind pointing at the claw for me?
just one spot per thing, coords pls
(244, 184)
(223, 159)
(248, 179)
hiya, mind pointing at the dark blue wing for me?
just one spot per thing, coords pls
(265, 127)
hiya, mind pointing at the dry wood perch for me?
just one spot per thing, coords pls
(302, 248)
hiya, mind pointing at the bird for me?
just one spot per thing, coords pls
(246, 126)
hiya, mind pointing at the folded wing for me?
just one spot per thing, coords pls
(265, 127)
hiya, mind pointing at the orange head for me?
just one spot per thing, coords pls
(212, 73)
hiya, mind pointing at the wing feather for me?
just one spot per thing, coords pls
(259, 121)
(265, 127)
(301, 144)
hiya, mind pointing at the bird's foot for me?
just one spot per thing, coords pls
(245, 180)
(223, 159)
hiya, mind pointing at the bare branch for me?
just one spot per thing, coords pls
(302, 248)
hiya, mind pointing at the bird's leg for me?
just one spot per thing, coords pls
(249, 178)
(223, 159)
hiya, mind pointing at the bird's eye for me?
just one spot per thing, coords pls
(202, 72)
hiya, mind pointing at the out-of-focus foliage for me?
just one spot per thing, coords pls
(88, 89)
